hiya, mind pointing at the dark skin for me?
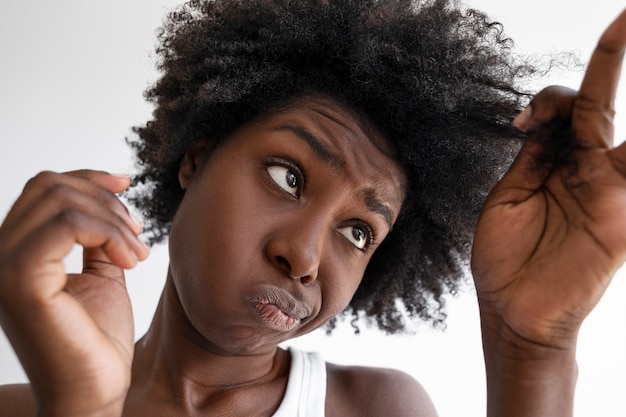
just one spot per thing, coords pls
(298, 202)
(546, 247)
(297, 240)
(537, 283)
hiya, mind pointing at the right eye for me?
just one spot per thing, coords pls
(287, 178)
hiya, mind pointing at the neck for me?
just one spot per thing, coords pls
(175, 363)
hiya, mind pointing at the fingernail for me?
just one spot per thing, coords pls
(145, 249)
(523, 120)
(124, 176)
(134, 258)
(135, 220)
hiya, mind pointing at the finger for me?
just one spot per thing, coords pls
(617, 156)
(115, 183)
(592, 117)
(554, 102)
(61, 198)
(90, 182)
(98, 185)
(36, 265)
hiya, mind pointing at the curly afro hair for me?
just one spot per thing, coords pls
(437, 79)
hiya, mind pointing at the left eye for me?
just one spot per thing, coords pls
(359, 236)
(286, 178)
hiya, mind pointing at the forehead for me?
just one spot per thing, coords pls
(346, 142)
(356, 129)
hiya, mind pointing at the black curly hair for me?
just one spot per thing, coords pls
(437, 79)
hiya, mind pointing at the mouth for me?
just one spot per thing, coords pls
(278, 309)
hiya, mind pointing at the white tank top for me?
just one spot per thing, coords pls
(306, 388)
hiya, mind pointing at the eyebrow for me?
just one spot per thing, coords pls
(316, 145)
(375, 205)
(372, 202)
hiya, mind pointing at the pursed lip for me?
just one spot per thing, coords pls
(278, 308)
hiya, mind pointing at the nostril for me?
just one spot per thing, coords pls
(286, 266)
(307, 279)
(283, 262)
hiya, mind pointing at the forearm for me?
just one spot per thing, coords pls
(525, 379)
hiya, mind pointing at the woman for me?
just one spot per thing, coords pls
(455, 236)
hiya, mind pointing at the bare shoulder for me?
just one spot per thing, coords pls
(368, 391)
(16, 400)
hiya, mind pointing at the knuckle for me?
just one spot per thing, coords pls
(70, 217)
(59, 191)
(586, 103)
(107, 197)
(42, 180)
(113, 203)
(14, 270)
(75, 220)
(554, 94)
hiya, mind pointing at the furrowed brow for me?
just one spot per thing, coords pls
(375, 205)
(316, 145)
(371, 200)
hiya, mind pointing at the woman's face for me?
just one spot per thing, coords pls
(278, 224)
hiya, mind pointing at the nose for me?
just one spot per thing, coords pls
(296, 248)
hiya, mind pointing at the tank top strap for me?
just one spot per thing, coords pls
(306, 388)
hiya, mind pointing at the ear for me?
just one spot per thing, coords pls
(192, 161)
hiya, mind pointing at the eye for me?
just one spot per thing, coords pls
(286, 177)
(359, 235)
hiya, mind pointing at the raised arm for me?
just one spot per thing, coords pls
(550, 237)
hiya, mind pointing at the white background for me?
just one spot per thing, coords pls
(71, 80)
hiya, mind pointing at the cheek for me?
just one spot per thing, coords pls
(338, 291)
(217, 208)
(214, 240)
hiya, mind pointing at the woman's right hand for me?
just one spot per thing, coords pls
(73, 333)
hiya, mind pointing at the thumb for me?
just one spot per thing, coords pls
(101, 291)
(96, 262)
(551, 103)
